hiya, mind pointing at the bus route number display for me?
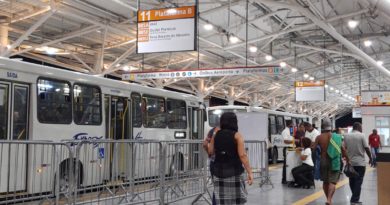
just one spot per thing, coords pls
(166, 30)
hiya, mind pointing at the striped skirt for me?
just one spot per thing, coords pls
(230, 191)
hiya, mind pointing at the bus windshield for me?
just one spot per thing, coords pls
(215, 115)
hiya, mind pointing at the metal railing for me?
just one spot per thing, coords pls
(110, 171)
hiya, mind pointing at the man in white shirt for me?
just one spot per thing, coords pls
(311, 132)
(288, 140)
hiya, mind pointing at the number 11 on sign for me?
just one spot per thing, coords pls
(145, 15)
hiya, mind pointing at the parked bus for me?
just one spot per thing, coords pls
(276, 123)
(49, 104)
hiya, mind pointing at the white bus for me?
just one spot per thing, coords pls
(44, 103)
(276, 123)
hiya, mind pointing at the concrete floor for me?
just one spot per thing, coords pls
(281, 194)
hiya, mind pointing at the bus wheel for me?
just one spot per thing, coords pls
(275, 155)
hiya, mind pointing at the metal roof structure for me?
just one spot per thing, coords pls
(345, 43)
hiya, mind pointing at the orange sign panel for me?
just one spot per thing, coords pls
(310, 83)
(167, 14)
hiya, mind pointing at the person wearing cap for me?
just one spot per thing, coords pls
(331, 148)
(357, 146)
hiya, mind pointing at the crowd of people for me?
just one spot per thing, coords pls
(323, 156)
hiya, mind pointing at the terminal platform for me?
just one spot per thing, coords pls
(281, 194)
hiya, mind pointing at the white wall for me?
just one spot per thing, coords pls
(368, 117)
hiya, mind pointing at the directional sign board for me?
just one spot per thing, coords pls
(310, 90)
(375, 98)
(202, 73)
(166, 30)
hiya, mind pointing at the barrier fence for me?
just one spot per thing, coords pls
(111, 171)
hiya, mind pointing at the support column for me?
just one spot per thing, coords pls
(3, 38)
(231, 96)
(99, 62)
(201, 89)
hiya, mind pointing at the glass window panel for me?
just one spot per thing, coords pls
(177, 115)
(155, 112)
(54, 101)
(3, 112)
(137, 109)
(87, 106)
(215, 115)
(20, 113)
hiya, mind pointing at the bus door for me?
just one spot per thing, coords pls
(196, 123)
(118, 127)
(14, 101)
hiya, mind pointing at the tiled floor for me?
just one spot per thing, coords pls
(282, 194)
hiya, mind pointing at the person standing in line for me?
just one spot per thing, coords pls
(329, 167)
(375, 143)
(357, 145)
(299, 134)
(210, 135)
(311, 132)
(230, 157)
(288, 140)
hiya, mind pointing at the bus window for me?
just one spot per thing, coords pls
(86, 104)
(54, 101)
(272, 124)
(177, 118)
(215, 115)
(155, 112)
(3, 111)
(137, 111)
(279, 124)
(295, 122)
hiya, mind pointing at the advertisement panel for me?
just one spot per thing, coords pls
(308, 91)
(375, 98)
(166, 30)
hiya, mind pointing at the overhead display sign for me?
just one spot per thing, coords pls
(202, 73)
(310, 90)
(166, 30)
(375, 98)
(356, 112)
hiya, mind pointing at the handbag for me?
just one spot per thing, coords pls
(350, 172)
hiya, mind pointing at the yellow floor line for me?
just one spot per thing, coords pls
(319, 194)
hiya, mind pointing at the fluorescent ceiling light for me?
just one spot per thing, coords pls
(253, 49)
(126, 68)
(326, 85)
(306, 75)
(233, 39)
(268, 58)
(283, 64)
(337, 91)
(379, 63)
(367, 43)
(352, 23)
(208, 27)
(331, 88)
(51, 50)
(311, 78)
(294, 70)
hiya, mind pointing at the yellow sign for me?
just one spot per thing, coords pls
(310, 83)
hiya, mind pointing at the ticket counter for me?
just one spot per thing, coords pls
(383, 178)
